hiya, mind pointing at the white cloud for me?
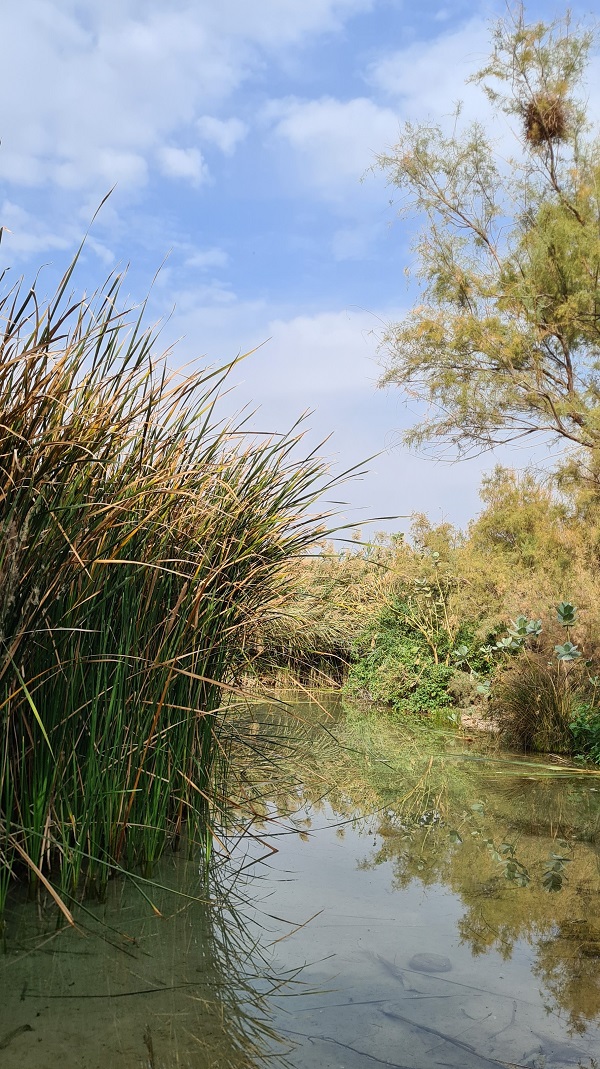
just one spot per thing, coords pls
(336, 140)
(309, 356)
(103, 252)
(99, 100)
(225, 134)
(276, 23)
(107, 83)
(325, 363)
(427, 79)
(183, 163)
(303, 358)
(25, 236)
(109, 166)
(204, 259)
(201, 299)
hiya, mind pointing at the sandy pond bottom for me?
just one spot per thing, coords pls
(320, 961)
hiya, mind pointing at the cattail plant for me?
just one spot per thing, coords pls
(140, 540)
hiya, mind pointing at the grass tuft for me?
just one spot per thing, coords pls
(533, 701)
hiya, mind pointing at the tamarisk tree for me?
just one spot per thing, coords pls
(505, 341)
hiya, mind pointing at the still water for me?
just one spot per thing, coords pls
(392, 896)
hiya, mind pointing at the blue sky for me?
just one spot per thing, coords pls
(240, 138)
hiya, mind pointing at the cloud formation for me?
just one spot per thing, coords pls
(109, 84)
(336, 140)
(183, 163)
(426, 79)
(224, 133)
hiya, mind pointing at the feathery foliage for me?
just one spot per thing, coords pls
(505, 341)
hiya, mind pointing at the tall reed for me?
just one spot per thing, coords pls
(140, 541)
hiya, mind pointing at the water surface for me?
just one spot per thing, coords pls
(370, 846)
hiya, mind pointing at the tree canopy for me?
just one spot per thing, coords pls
(505, 341)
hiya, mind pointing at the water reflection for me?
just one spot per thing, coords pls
(508, 851)
(399, 903)
(153, 980)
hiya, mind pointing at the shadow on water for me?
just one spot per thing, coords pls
(388, 900)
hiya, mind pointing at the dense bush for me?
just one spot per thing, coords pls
(395, 665)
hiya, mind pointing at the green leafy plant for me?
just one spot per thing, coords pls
(505, 855)
(519, 631)
(585, 731)
(567, 614)
(567, 652)
(396, 665)
(555, 869)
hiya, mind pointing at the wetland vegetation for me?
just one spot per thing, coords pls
(141, 539)
(160, 569)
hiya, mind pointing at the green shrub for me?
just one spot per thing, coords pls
(431, 692)
(585, 731)
(397, 667)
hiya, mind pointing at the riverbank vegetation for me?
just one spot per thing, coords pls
(499, 623)
(142, 537)
(502, 345)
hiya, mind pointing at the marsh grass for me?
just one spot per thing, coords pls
(141, 539)
(533, 703)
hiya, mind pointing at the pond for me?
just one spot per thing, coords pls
(391, 896)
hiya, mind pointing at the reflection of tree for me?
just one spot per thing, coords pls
(497, 911)
(569, 967)
(446, 821)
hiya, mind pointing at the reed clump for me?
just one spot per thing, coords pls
(140, 541)
(533, 701)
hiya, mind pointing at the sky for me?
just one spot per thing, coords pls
(240, 140)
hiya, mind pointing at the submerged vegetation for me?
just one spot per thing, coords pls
(141, 538)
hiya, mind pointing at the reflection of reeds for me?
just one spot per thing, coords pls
(140, 541)
(185, 987)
